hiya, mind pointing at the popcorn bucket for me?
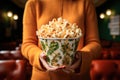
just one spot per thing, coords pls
(59, 51)
(59, 40)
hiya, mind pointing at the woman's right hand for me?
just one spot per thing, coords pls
(43, 58)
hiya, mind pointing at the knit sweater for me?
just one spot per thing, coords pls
(81, 12)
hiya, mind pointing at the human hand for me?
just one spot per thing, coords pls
(75, 65)
(43, 58)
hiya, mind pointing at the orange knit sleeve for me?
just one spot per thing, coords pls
(92, 47)
(30, 47)
(92, 42)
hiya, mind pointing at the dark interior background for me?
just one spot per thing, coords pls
(5, 24)
(104, 31)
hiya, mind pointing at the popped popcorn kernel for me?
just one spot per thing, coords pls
(59, 28)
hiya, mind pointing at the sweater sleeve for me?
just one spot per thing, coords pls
(30, 49)
(92, 47)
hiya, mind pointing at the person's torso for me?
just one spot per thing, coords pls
(71, 10)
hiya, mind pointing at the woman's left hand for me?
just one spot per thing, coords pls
(75, 65)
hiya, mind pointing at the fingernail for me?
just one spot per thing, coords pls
(63, 66)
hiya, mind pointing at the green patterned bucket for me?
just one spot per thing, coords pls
(59, 51)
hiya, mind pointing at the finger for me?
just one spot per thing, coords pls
(76, 64)
(61, 67)
(52, 69)
(43, 55)
(78, 54)
(49, 68)
(56, 68)
(68, 70)
(72, 70)
(45, 64)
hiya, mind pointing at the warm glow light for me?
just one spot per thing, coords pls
(102, 16)
(108, 12)
(9, 14)
(15, 17)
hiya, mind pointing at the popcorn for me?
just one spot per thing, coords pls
(59, 28)
(59, 40)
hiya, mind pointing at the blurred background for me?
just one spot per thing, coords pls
(11, 14)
